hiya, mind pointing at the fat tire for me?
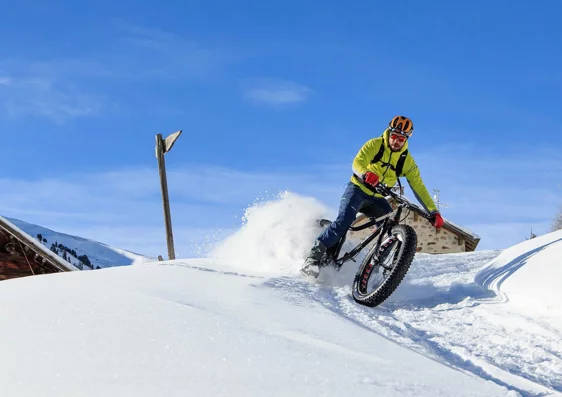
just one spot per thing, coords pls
(401, 264)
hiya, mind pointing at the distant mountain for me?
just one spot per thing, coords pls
(82, 253)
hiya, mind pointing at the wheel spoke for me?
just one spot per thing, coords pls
(380, 266)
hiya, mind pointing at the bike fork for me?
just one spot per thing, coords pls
(384, 231)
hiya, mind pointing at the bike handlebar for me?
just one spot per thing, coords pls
(386, 191)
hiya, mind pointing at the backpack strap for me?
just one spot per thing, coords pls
(379, 154)
(400, 163)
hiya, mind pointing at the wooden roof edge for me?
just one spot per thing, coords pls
(470, 245)
(56, 260)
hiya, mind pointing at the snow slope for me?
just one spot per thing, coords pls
(242, 322)
(101, 255)
(188, 328)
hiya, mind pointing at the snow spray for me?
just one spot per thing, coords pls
(275, 236)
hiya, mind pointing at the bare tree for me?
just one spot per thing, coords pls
(557, 224)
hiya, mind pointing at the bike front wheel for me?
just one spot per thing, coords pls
(382, 270)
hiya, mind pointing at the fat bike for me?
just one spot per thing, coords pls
(389, 258)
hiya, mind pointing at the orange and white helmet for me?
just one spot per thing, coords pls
(401, 125)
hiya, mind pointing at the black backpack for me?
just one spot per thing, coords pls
(399, 164)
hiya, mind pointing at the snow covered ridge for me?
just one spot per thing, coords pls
(529, 275)
(80, 252)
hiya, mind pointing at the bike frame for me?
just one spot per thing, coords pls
(388, 222)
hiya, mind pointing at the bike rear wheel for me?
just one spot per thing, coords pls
(382, 270)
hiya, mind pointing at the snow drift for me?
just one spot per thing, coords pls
(528, 275)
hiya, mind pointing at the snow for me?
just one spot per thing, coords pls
(529, 275)
(99, 254)
(275, 237)
(243, 322)
(182, 328)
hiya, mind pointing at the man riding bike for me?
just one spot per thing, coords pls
(380, 160)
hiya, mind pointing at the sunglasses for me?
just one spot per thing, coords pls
(399, 137)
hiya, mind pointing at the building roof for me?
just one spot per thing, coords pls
(22, 255)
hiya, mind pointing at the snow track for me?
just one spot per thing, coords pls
(494, 314)
(451, 310)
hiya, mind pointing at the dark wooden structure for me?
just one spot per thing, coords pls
(21, 255)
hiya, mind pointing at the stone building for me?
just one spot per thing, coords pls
(449, 239)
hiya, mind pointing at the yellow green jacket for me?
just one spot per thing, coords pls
(385, 169)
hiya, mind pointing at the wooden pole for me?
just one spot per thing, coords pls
(165, 199)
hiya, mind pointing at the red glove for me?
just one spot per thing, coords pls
(437, 220)
(371, 178)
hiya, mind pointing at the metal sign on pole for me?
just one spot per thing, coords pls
(170, 140)
(163, 146)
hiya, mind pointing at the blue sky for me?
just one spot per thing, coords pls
(273, 96)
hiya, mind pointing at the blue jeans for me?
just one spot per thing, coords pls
(354, 200)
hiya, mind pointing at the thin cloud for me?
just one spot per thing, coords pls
(43, 97)
(63, 89)
(487, 200)
(150, 37)
(158, 53)
(276, 93)
(102, 206)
